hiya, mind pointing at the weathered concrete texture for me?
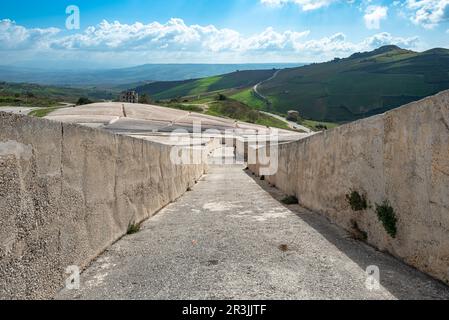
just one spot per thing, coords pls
(229, 239)
(401, 156)
(157, 124)
(68, 192)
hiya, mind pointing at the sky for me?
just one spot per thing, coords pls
(113, 33)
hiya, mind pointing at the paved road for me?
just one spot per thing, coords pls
(255, 88)
(291, 124)
(230, 238)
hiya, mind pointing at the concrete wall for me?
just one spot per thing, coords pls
(68, 192)
(401, 156)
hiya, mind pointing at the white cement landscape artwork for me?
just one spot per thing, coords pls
(149, 151)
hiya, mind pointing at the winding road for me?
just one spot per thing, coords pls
(291, 124)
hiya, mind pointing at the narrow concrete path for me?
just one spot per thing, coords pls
(230, 238)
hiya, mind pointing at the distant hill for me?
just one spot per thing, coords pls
(177, 89)
(359, 86)
(342, 90)
(126, 77)
(37, 95)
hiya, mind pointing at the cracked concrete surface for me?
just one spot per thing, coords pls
(230, 238)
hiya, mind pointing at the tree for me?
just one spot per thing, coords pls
(145, 99)
(221, 97)
(83, 100)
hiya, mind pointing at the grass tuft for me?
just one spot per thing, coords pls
(290, 200)
(133, 228)
(387, 216)
(357, 201)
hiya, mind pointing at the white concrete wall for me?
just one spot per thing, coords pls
(68, 192)
(401, 156)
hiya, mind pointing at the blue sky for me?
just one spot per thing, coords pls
(122, 33)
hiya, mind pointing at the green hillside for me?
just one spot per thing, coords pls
(359, 86)
(14, 93)
(234, 109)
(177, 89)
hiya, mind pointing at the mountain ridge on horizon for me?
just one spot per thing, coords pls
(129, 75)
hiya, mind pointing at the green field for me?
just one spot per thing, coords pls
(191, 88)
(236, 110)
(42, 112)
(25, 92)
(359, 86)
(338, 91)
(314, 125)
(249, 98)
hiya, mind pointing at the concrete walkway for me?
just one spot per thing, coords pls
(230, 238)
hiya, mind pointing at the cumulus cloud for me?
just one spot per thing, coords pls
(428, 13)
(14, 37)
(385, 38)
(177, 41)
(306, 5)
(175, 35)
(373, 16)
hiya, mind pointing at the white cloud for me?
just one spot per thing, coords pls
(13, 36)
(385, 38)
(373, 16)
(174, 35)
(175, 41)
(305, 5)
(428, 13)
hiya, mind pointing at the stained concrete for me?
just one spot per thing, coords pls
(68, 192)
(230, 238)
(151, 122)
(401, 157)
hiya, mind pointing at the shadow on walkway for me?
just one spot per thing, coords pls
(401, 280)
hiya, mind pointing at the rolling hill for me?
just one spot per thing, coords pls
(33, 95)
(188, 88)
(359, 86)
(341, 90)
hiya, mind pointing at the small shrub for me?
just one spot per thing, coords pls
(82, 101)
(290, 200)
(145, 99)
(283, 247)
(133, 228)
(321, 127)
(387, 216)
(221, 97)
(357, 202)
